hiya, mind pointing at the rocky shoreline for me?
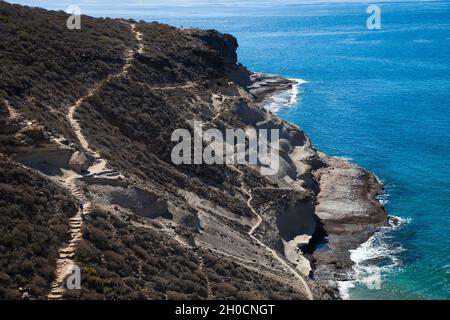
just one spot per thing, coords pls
(346, 206)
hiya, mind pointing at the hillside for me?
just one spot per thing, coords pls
(91, 112)
(34, 217)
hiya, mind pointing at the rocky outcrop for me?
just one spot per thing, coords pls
(262, 85)
(349, 213)
(79, 162)
(224, 44)
(346, 211)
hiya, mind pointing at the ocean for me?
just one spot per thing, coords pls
(378, 97)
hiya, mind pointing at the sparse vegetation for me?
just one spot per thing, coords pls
(34, 216)
(121, 261)
(229, 280)
(44, 66)
(129, 120)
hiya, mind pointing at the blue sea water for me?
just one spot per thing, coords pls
(379, 97)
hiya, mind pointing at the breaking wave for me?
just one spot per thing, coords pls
(285, 99)
(375, 257)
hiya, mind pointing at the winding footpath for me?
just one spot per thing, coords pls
(282, 262)
(65, 261)
(66, 255)
(100, 164)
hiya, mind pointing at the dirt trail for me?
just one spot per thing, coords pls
(183, 85)
(139, 38)
(100, 164)
(308, 292)
(258, 217)
(252, 230)
(65, 261)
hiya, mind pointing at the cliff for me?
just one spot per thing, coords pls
(92, 112)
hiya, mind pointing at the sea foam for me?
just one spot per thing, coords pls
(285, 99)
(373, 258)
(376, 256)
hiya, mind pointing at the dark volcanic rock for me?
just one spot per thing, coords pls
(225, 44)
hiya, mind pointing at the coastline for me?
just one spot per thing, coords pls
(229, 224)
(347, 204)
(289, 233)
(365, 269)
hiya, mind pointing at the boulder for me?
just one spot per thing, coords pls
(79, 162)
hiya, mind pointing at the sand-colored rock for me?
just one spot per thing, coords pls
(79, 162)
(346, 211)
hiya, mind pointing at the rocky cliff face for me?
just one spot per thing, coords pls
(153, 229)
